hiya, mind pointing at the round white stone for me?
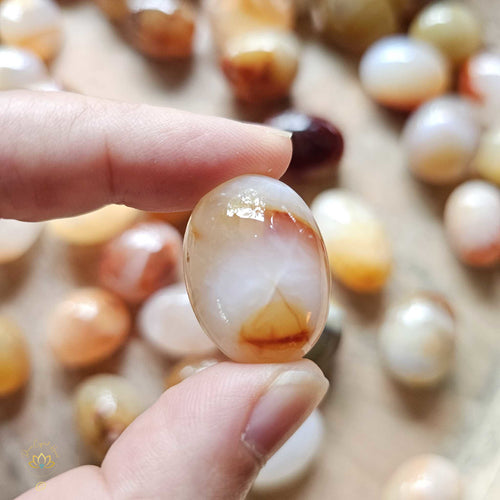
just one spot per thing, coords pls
(167, 321)
(401, 72)
(417, 340)
(440, 139)
(20, 68)
(472, 222)
(17, 237)
(292, 461)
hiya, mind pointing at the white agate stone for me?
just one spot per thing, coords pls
(256, 270)
(440, 139)
(167, 321)
(358, 248)
(17, 237)
(417, 340)
(294, 458)
(487, 160)
(480, 78)
(402, 72)
(472, 222)
(20, 69)
(425, 477)
(35, 25)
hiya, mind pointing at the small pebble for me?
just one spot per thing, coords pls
(487, 159)
(191, 365)
(417, 340)
(17, 237)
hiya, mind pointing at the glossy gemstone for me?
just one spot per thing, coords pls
(14, 357)
(168, 322)
(16, 238)
(191, 365)
(452, 27)
(35, 25)
(440, 139)
(21, 69)
(104, 406)
(479, 78)
(355, 24)
(88, 327)
(358, 248)
(143, 259)
(417, 340)
(315, 141)
(293, 460)
(323, 352)
(256, 270)
(94, 227)
(401, 72)
(487, 159)
(258, 51)
(161, 30)
(472, 223)
(425, 477)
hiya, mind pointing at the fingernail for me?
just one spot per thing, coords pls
(288, 401)
(281, 133)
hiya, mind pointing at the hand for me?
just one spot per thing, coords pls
(64, 154)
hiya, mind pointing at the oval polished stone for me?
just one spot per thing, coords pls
(14, 357)
(88, 327)
(425, 477)
(104, 407)
(256, 270)
(401, 72)
(472, 223)
(35, 25)
(168, 322)
(358, 248)
(487, 159)
(452, 27)
(417, 340)
(20, 69)
(17, 237)
(440, 139)
(293, 460)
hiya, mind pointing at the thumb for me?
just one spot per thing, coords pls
(206, 437)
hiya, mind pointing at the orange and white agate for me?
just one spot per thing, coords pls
(256, 270)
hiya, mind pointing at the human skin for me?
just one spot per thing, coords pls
(63, 154)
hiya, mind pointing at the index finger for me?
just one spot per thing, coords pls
(63, 154)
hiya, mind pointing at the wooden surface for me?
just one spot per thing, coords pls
(372, 425)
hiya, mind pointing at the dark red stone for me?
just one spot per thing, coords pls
(315, 141)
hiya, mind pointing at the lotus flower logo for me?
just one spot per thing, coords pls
(41, 462)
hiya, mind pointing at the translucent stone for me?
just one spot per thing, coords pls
(35, 25)
(141, 260)
(115, 10)
(256, 270)
(259, 52)
(355, 24)
(16, 238)
(323, 352)
(425, 477)
(479, 78)
(487, 159)
(190, 366)
(161, 29)
(14, 357)
(315, 141)
(358, 248)
(104, 406)
(168, 322)
(94, 227)
(20, 69)
(417, 340)
(472, 223)
(452, 27)
(440, 139)
(401, 72)
(88, 327)
(293, 460)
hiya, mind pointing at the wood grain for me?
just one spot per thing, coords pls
(372, 424)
